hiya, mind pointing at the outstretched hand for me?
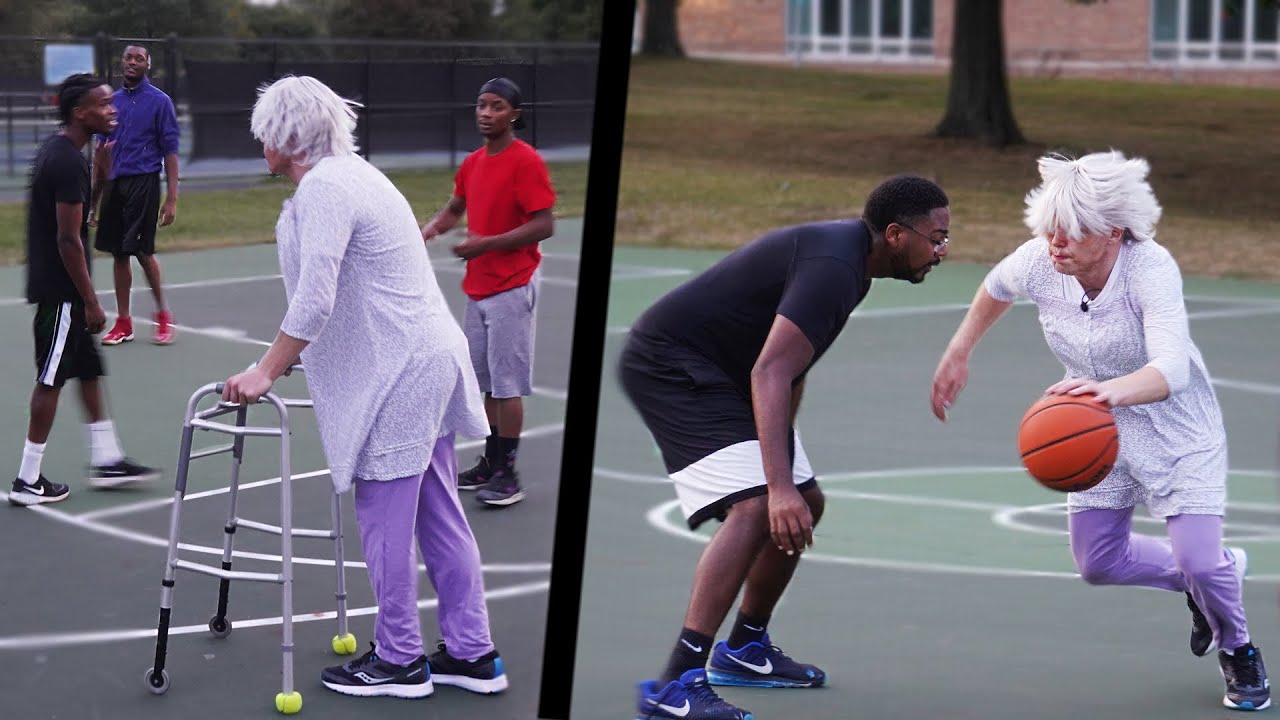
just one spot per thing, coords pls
(949, 379)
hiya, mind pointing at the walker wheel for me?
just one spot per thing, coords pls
(220, 627)
(157, 684)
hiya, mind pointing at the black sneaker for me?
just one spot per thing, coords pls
(39, 493)
(371, 676)
(124, 472)
(477, 477)
(1246, 677)
(760, 664)
(503, 488)
(485, 674)
(1202, 640)
(689, 698)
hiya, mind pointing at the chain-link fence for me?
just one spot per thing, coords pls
(418, 97)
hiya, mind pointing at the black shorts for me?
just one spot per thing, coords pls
(64, 347)
(703, 425)
(130, 211)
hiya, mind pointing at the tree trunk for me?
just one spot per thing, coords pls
(978, 101)
(661, 37)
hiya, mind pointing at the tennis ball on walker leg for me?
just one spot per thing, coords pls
(344, 644)
(289, 704)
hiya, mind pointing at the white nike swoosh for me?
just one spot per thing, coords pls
(35, 490)
(751, 628)
(680, 711)
(764, 669)
(692, 647)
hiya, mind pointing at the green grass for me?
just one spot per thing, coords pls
(715, 153)
(217, 218)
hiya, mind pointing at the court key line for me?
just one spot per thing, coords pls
(51, 640)
(533, 432)
(141, 538)
(658, 517)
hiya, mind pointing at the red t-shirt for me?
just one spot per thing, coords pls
(502, 193)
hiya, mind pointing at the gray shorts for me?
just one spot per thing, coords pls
(499, 332)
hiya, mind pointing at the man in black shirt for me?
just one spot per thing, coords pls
(67, 309)
(716, 369)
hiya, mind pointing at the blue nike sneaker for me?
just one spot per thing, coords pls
(689, 698)
(760, 664)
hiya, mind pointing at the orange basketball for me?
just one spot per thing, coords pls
(1068, 442)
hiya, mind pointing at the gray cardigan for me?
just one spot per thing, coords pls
(387, 367)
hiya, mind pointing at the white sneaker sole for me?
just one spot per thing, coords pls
(420, 690)
(25, 499)
(125, 339)
(475, 685)
(115, 482)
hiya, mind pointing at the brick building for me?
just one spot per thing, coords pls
(1214, 41)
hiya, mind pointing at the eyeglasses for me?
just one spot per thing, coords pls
(936, 242)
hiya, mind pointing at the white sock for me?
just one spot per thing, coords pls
(32, 454)
(104, 446)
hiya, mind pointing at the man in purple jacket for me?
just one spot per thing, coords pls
(129, 161)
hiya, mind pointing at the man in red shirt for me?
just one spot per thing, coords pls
(506, 193)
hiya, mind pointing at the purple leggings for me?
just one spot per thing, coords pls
(1191, 560)
(390, 514)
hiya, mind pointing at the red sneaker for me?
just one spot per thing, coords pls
(164, 328)
(121, 332)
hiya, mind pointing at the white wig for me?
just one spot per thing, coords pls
(303, 118)
(1093, 195)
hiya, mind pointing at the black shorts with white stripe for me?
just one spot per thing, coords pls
(64, 346)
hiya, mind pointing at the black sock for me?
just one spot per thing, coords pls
(506, 449)
(691, 651)
(491, 446)
(746, 630)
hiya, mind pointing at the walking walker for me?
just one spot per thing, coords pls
(289, 700)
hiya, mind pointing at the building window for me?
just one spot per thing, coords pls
(890, 29)
(1212, 32)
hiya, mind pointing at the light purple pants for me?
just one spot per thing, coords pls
(390, 513)
(1191, 560)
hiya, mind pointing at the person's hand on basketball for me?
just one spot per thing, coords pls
(948, 381)
(95, 318)
(1083, 386)
(790, 520)
(473, 246)
(247, 387)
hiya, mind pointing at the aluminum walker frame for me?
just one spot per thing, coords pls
(289, 701)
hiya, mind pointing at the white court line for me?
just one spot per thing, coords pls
(141, 538)
(52, 640)
(1246, 386)
(538, 431)
(214, 282)
(658, 518)
(1236, 313)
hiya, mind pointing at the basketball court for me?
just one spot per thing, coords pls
(82, 577)
(940, 584)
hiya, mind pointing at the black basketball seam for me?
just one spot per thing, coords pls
(1066, 438)
(1105, 449)
(1086, 405)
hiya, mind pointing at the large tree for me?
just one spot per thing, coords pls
(978, 103)
(157, 18)
(459, 20)
(661, 35)
(551, 20)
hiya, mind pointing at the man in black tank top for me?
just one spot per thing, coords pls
(716, 369)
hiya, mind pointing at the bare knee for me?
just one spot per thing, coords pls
(750, 516)
(817, 503)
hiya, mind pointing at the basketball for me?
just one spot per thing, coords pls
(1068, 443)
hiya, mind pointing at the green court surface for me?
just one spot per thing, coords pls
(941, 583)
(82, 578)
